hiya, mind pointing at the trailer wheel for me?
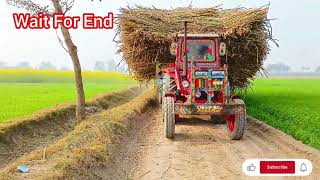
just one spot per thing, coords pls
(236, 123)
(217, 119)
(169, 116)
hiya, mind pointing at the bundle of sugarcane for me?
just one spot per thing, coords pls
(147, 33)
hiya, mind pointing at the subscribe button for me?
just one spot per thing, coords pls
(277, 167)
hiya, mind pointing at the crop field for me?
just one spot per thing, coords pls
(23, 92)
(291, 105)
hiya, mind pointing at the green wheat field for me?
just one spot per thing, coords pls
(24, 91)
(291, 105)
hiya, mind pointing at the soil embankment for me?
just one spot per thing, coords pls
(22, 136)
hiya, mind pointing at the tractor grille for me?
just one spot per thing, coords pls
(208, 86)
(201, 89)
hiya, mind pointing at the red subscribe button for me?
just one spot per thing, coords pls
(277, 167)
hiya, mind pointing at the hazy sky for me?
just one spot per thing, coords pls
(297, 28)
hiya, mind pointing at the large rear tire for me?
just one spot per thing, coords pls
(236, 123)
(168, 116)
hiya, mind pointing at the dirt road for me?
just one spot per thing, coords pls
(201, 150)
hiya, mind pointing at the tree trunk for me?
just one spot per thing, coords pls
(73, 52)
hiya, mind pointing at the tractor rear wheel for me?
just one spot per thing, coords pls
(217, 119)
(168, 116)
(236, 123)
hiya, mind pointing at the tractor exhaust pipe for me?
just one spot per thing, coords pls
(185, 60)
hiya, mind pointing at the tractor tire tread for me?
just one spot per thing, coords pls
(169, 117)
(240, 123)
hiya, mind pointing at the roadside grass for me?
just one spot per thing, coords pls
(24, 91)
(291, 105)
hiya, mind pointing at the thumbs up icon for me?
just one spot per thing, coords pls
(251, 167)
(303, 167)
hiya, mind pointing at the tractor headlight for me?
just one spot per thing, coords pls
(185, 84)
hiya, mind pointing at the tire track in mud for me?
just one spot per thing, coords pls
(202, 150)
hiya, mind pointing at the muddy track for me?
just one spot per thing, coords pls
(40, 134)
(200, 150)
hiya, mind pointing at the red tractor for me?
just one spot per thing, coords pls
(197, 84)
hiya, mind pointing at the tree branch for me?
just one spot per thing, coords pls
(61, 43)
(30, 6)
(68, 5)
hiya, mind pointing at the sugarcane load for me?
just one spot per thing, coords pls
(198, 57)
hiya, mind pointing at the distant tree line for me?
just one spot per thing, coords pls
(112, 66)
(278, 68)
(105, 66)
(283, 68)
(27, 65)
(3, 65)
(108, 66)
(98, 66)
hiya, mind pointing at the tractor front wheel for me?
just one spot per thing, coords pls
(168, 116)
(236, 123)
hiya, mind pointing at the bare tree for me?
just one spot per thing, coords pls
(61, 6)
(73, 52)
